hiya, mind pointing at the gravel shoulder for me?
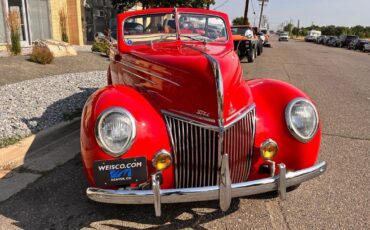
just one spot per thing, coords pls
(18, 68)
(37, 104)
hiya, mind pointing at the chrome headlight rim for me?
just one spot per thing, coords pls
(288, 118)
(101, 142)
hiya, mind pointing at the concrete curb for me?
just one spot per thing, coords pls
(25, 162)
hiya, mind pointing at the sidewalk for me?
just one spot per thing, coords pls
(23, 163)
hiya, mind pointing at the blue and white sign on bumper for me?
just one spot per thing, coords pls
(120, 172)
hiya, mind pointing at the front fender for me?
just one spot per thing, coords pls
(271, 98)
(151, 132)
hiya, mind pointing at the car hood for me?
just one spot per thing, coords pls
(186, 83)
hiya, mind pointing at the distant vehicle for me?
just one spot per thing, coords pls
(284, 36)
(333, 41)
(344, 40)
(267, 37)
(324, 41)
(366, 47)
(246, 43)
(357, 44)
(320, 39)
(312, 36)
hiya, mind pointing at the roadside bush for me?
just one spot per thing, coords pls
(42, 55)
(102, 46)
(63, 25)
(14, 24)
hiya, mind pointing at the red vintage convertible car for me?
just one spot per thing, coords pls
(178, 122)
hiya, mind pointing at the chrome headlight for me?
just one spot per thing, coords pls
(115, 131)
(302, 119)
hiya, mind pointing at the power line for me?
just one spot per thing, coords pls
(254, 11)
(222, 4)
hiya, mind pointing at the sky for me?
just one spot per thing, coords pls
(319, 12)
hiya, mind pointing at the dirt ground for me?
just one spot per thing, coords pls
(19, 68)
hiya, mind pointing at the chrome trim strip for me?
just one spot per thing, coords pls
(130, 65)
(241, 115)
(138, 76)
(194, 122)
(208, 126)
(219, 83)
(204, 193)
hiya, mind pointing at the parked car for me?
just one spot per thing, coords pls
(321, 39)
(310, 38)
(366, 47)
(357, 44)
(178, 122)
(246, 42)
(333, 41)
(344, 40)
(267, 37)
(284, 37)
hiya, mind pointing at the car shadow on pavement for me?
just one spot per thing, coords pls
(35, 153)
(58, 201)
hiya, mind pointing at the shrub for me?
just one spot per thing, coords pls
(14, 24)
(63, 25)
(42, 55)
(102, 46)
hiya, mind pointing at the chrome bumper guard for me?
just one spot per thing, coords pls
(223, 192)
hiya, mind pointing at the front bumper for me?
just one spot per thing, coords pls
(223, 192)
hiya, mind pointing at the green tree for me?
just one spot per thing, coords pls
(239, 21)
(124, 5)
(289, 28)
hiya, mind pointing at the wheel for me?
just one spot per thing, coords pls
(255, 52)
(259, 50)
(251, 55)
(241, 55)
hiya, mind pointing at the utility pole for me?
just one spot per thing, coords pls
(263, 4)
(245, 20)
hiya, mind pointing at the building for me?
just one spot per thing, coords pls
(40, 19)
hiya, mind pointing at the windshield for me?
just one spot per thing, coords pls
(202, 27)
(284, 34)
(144, 29)
(239, 30)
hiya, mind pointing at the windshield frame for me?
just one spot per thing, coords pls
(177, 32)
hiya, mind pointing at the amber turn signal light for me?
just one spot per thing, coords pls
(162, 160)
(268, 149)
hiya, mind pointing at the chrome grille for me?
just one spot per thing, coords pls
(195, 148)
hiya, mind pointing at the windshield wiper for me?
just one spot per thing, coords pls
(198, 38)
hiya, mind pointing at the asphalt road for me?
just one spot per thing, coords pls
(338, 80)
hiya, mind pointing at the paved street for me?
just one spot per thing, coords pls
(338, 80)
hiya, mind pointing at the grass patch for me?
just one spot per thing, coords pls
(71, 115)
(9, 141)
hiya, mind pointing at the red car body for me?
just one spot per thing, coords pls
(175, 88)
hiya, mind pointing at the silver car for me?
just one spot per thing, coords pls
(366, 47)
